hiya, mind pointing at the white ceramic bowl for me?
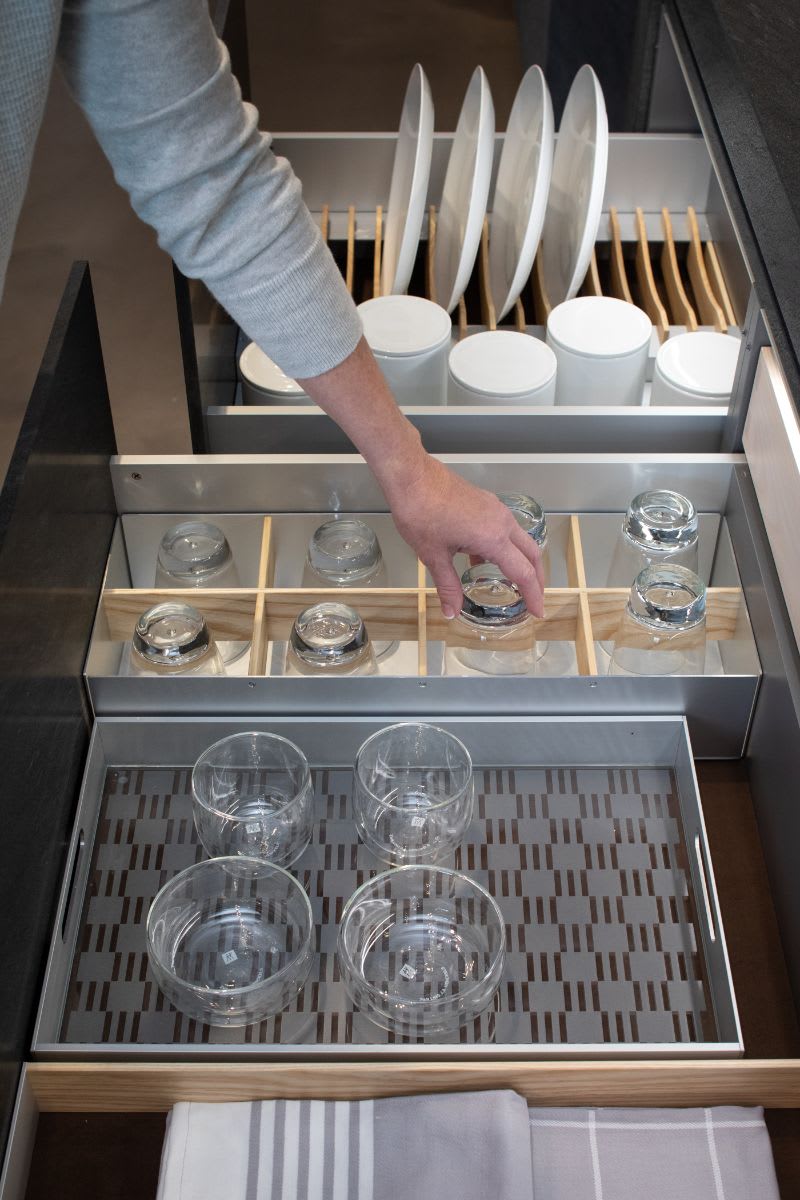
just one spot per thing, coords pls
(695, 368)
(601, 345)
(410, 338)
(501, 366)
(263, 382)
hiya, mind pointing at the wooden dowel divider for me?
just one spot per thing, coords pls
(591, 284)
(682, 312)
(619, 275)
(376, 265)
(717, 280)
(266, 579)
(351, 248)
(325, 222)
(520, 323)
(488, 314)
(708, 308)
(651, 301)
(462, 318)
(541, 303)
(430, 255)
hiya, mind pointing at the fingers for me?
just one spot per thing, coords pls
(448, 585)
(519, 568)
(524, 542)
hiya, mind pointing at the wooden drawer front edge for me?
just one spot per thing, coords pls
(772, 444)
(153, 1087)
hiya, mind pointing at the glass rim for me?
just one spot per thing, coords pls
(260, 865)
(390, 806)
(678, 618)
(274, 737)
(483, 893)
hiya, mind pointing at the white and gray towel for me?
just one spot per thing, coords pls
(469, 1145)
(651, 1154)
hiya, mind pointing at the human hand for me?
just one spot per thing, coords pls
(439, 515)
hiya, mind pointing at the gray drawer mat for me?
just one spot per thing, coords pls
(588, 866)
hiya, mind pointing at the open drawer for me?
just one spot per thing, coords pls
(589, 833)
(106, 1146)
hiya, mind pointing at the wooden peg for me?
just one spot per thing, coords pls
(351, 248)
(430, 278)
(710, 311)
(541, 304)
(376, 266)
(651, 300)
(682, 312)
(717, 280)
(325, 222)
(591, 284)
(462, 318)
(619, 276)
(488, 314)
(519, 316)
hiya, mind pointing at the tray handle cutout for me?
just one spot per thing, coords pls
(701, 870)
(72, 905)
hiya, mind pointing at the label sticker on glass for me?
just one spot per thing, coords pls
(229, 956)
(407, 971)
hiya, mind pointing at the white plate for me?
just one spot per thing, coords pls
(409, 189)
(466, 192)
(576, 189)
(520, 194)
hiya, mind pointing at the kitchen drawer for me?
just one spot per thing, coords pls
(634, 965)
(662, 206)
(581, 613)
(90, 1088)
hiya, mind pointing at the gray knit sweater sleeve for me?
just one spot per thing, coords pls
(156, 86)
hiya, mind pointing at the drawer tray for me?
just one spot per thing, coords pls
(601, 871)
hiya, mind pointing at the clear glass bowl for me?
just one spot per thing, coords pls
(230, 940)
(195, 554)
(412, 793)
(252, 795)
(422, 950)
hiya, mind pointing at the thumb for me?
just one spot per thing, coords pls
(448, 585)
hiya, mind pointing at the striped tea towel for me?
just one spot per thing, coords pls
(469, 1145)
(651, 1154)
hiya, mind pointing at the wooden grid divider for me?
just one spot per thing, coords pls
(422, 620)
(541, 304)
(707, 305)
(266, 579)
(576, 576)
(519, 315)
(591, 284)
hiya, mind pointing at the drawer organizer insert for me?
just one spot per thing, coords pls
(602, 872)
(581, 616)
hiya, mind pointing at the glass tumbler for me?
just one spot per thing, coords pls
(659, 527)
(663, 627)
(195, 554)
(230, 940)
(529, 515)
(412, 793)
(345, 553)
(422, 950)
(330, 638)
(172, 638)
(494, 630)
(252, 795)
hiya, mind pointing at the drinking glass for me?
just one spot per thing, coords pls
(663, 627)
(252, 795)
(330, 638)
(412, 793)
(230, 940)
(195, 554)
(659, 527)
(172, 638)
(422, 950)
(494, 632)
(345, 553)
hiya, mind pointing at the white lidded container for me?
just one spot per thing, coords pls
(695, 368)
(410, 338)
(263, 382)
(601, 345)
(501, 366)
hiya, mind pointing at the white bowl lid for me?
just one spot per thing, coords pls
(263, 373)
(599, 326)
(404, 325)
(502, 362)
(704, 363)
